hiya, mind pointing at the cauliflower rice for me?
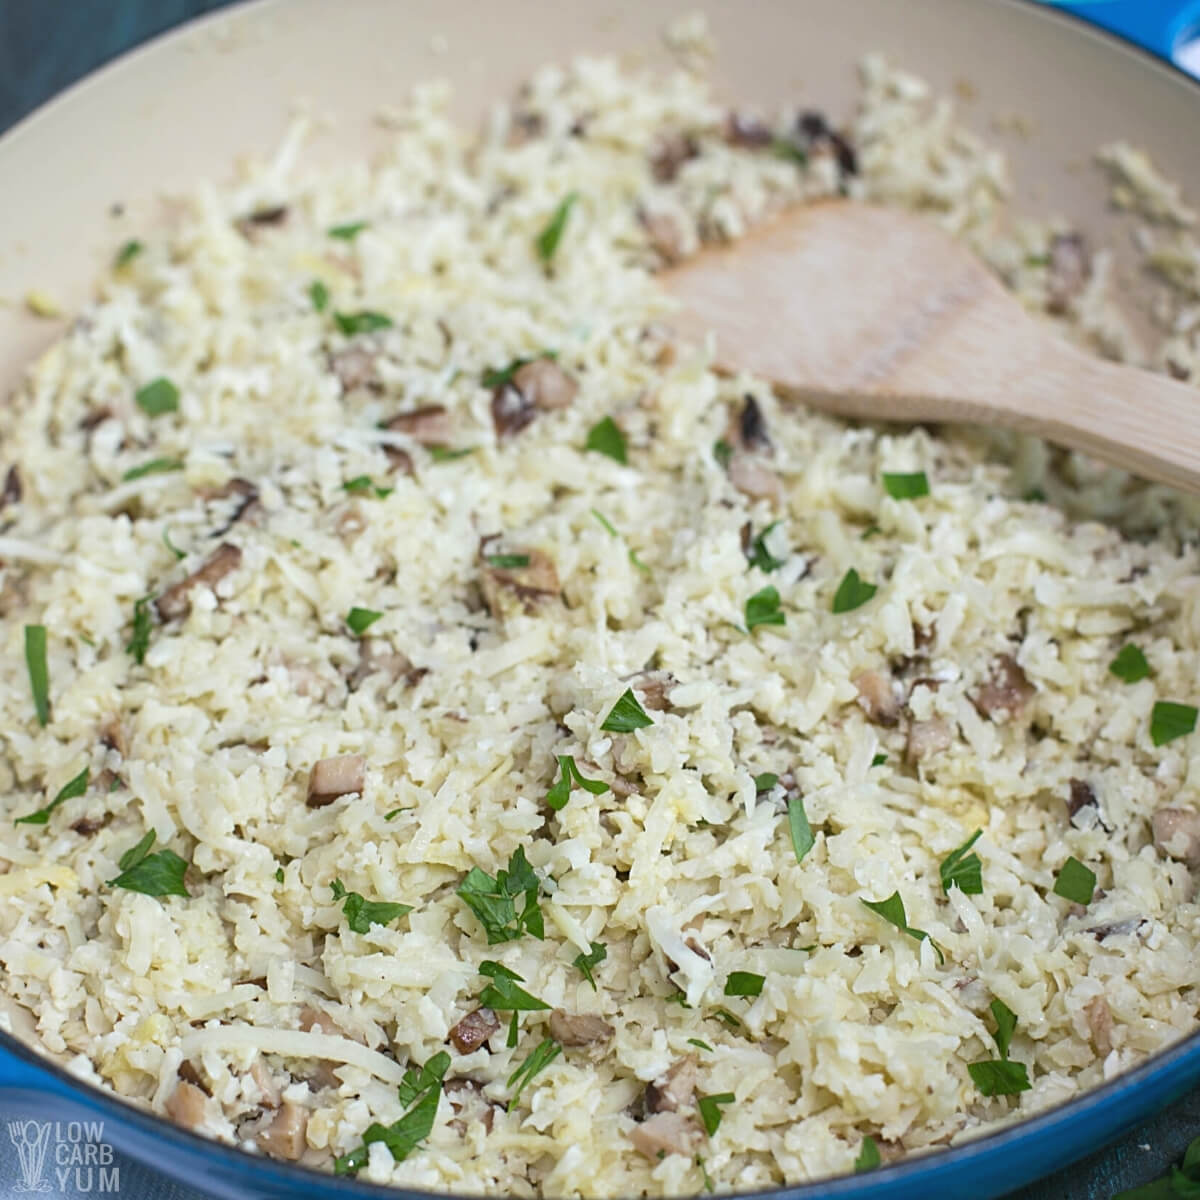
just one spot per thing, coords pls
(376, 684)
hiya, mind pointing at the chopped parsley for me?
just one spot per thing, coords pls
(143, 623)
(556, 797)
(514, 1031)
(387, 816)
(763, 609)
(868, 1156)
(361, 619)
(1130, 664)
(782, 147)
(508, 562)
(744, 983)
(347, 232)
(448, 453)
(766, 781)
(503, 994)
(1075, 882)
(725, 1016)
(1035, 495)
(1006, 1024)
(547, 1051)
(722, 452)
(699, 1044)
(963, 870)
(852, 593)
(614, 532)
(999, 1077)
(39, 672)
(362, 483)
(361, 913)
(156, 466)
(879, 760)
(551, 235)
(493, 901)
(159, 396)
(605, 437)
(708, 1183)
(318, 293)
(626, 715)
(1169, 721)
(710, 1110)
(892, 911)
(170, 545)
(593, 958)
(361, 322)
(422, 1090)
(868, 533)
(278, 874)
(498, 377)
(801, 831)
(128, 253)
(760, 556)
(75, 787)
(911, 486)
(158, 874)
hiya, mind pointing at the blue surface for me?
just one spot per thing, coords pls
(44, 46)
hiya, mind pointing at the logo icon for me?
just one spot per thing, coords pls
(31, 1138)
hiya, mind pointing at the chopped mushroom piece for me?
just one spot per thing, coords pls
(926, 738)
(654, 687)
(664, 1133)
(334, 777)
(1177, 834)
(1006, 692)
(429, 425)
(747, 131)
(1082, 796)
(1070, 268)
(529, 586)
(670, 152)
(188, 1073)
(355, 368)
(87, 826)
(185, 1105)
(468, 1104)
(312, 1018)
(578, 1029)
(1100, 1022)
(265, 1084)
(285, 1136)
(817, 136)
(750, 433)
(877, 697)
(12, 487)
(474, 1029)
(113, 736)
(673, 1089)
(545, 384)
(377, 657)
(665, 236)
(511, 411)
(747, 437)
(262, 218)
(753, 478)
(176, 600)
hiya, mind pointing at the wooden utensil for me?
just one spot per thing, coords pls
(874, 313)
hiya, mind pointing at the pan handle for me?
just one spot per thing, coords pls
(1160, 26)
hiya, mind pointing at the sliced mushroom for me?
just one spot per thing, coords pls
(176, 600)
(265, 1084)
(474, 1029)
(285, 1136)
(1132, 925)
(664, 1133)
(1177, 834)
(312, 1018)
(511, 410)
(88, 826)
(747, 131)
(748, 440)
(469, 1104)
(654, 687)
(545, 384)
(251, 224)
(377, 657)
(1082, 796)
(926, 738)
(665, 236)
(523, 126)
(753, 478)
(529, 586)
(877, 697)
(355, 367)
(12, 487)
(246, 506)
(674, 1088)
(188, 1073)
(1100, 1023)
(578, 1029)
(670, 152)
(1069, 270)
(94, 417)
(185, 1105)
(815, 135)
(334, 777)
(112, 735)
(751, 430)
(429, 425)
(1006, 692)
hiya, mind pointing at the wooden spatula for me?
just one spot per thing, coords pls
(875, 313)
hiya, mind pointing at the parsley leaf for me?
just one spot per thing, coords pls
(699, 1044)
(158, 397)
(626, 715)
(1169, 721)
(507, 562)
(422, 1090)
(448, 454)
(852, 593)
(605, 437)
(801, 831)
(279, 875)
(606, 523)
(143, 623)
(744, 983)
(1075, 882)
(879, 760)
(906, 486)
(760, 556)
(75, 787)
(892, 911)
(362, 483)
(999, 1077)
(318, 293)
(347, 232)
(514, 1031)
(158, 874)
(763, 609)
(868, 1156)
(585, 962)
(361, 619)
(493, 900)
(170, 545)
(39, 672)
(156, 466)
(361, 913)
(503, 994)
(557, 796)
(1006, 1024)
(1130, 664)
(765, 782)
(546, 1052)
(723, 1014)
(361, 322)
(722, 452)
(128, 253)
(962, 870)
(710, 1110)
(551, 235)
